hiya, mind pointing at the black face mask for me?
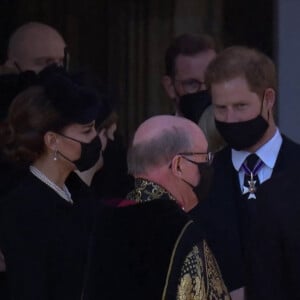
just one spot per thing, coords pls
(90, 153)
(193, 105)
(242, 135)
(202, 189)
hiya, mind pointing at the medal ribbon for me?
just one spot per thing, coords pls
(255, 170)
(251, 186)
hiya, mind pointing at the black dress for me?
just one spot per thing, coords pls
(44, 240)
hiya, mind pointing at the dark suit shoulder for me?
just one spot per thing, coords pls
(290, 143)
(222, 155)
(281, 190)
(288, 155)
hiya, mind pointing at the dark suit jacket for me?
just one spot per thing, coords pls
(224, 215)
(275, 260)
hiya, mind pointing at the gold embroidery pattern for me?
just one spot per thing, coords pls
(192, 285)
(200, 277)
(146, 190)
(216, 288)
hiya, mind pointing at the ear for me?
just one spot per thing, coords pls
(270, 98)
(51, 140)
(103, 137)
(168, 85)
(176, 166)
(110, 131)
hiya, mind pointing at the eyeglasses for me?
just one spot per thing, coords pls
(191, 85)
(209, 156)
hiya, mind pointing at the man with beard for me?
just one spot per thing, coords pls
(243, 86)
(186, 60)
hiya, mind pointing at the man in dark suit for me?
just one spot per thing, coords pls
(275, 258)
(243, 88)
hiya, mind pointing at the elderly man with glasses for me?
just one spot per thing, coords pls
(148, 247)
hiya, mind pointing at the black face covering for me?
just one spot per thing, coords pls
(90, 153)
(193, 105)
(203, 187)
(242, 135)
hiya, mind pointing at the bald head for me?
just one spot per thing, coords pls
(154, 127)
(159, 138)
(34, 46)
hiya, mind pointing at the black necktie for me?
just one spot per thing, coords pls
(251, 166)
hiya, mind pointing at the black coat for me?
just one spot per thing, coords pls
(44, 240)
(224, 215)
(138, 252)
(275, 261)
(131, 250)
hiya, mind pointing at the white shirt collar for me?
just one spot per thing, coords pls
(267, 153)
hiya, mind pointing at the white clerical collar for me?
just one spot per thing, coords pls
(267, 153)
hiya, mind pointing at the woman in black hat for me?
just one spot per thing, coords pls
(44, 226)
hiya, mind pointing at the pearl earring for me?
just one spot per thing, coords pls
(55, 155)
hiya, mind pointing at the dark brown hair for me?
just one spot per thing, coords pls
(186, 44)
(238, 61)
(108, 121)
(50, 105)
(30, 116)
